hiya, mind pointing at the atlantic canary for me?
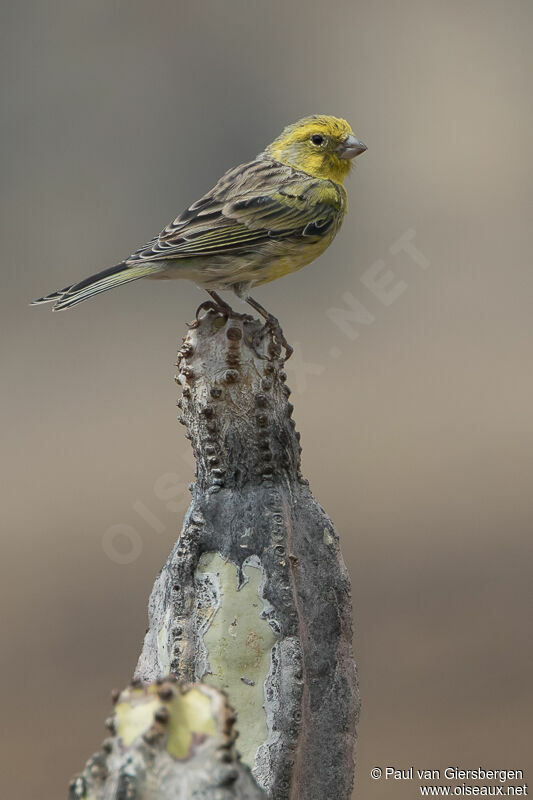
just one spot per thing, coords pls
(262, 220)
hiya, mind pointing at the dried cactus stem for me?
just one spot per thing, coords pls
(254, 598)
(169, 741)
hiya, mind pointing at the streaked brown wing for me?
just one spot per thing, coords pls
(251, 203)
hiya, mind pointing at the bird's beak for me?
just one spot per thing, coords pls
(351, 147)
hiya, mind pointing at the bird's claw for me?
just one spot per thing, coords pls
(273, 327)
(222, 309)
(272, 324)
(207, 305)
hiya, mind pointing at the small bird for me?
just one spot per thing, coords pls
(262, 220)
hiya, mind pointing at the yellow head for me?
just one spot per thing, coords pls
(319, 145)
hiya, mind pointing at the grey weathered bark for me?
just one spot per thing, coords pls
(254, 597)
(167, 741)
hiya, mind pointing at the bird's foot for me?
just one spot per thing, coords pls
(207, 305)
(226, 309)
(218, 306)
(273, 327)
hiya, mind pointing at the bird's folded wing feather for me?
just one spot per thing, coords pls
(251, 204)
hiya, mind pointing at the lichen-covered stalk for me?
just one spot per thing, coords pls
(255, 598)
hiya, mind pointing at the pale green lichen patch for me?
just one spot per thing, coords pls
(190, 718)
(135, 715)
(327, 538)
(238, 641)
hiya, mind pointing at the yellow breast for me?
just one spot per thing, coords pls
(282, 264)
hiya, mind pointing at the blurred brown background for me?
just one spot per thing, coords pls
(115, 117)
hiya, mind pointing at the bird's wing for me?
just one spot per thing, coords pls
(256, 202)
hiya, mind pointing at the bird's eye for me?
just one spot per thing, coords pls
(317, 139)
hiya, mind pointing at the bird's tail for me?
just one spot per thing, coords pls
(101, 282)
